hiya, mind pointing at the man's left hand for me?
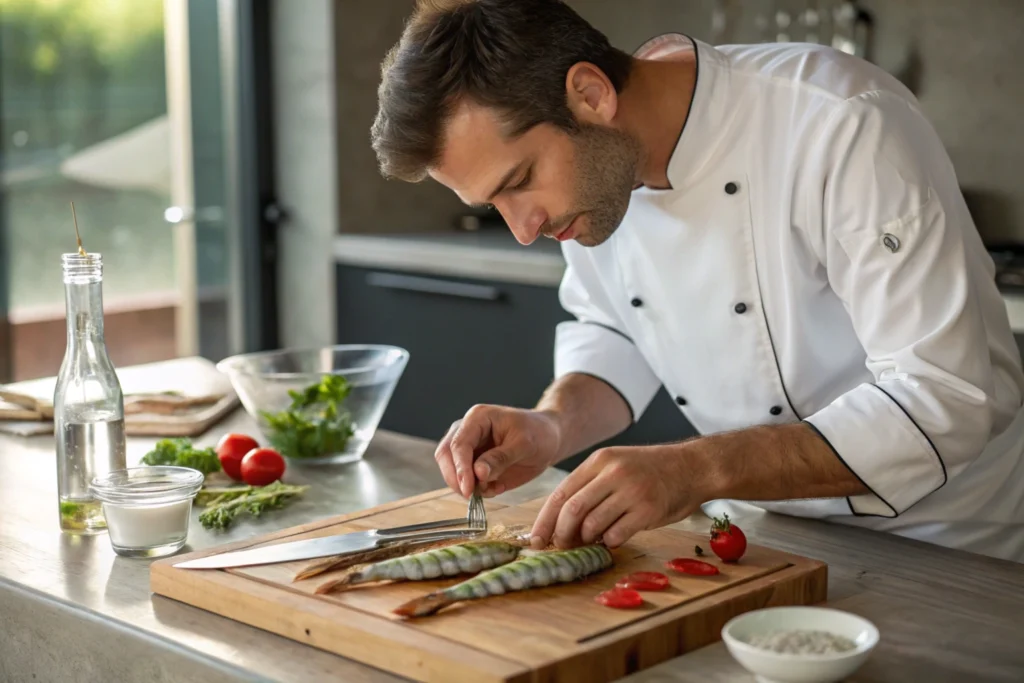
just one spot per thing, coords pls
(619, 491)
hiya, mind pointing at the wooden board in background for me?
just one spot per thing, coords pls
(190, 376)
(554, 633)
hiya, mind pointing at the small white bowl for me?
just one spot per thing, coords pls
(776, 667)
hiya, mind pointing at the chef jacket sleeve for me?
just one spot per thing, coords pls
(596, 344)
(901, 252)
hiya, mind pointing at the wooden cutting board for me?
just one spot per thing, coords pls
(547, 634)
(189, 377)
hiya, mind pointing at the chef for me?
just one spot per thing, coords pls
(774, 233)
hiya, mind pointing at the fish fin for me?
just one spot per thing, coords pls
(424, 605)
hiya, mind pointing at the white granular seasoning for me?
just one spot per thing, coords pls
(803, 642)
(147, 526)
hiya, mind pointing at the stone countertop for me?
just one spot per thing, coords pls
(72, 610)
(494, 254)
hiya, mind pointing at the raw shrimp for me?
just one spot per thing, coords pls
(533, 571)
(463, 558)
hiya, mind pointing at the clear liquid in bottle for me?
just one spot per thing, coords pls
(91, 445)
(88, 405)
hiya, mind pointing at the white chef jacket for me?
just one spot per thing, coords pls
(814, 261)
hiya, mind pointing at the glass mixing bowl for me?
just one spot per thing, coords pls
(272, 385)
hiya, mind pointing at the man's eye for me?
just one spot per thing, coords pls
(522, 183)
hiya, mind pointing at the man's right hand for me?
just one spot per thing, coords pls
(499, 447)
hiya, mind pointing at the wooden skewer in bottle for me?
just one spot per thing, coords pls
(81, 251)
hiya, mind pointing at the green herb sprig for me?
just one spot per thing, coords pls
(225, 504)
(315, 423)
(72, 512)
(181, 453)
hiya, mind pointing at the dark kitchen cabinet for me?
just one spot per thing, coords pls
(470, 341)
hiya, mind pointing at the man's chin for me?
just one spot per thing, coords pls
(587, 236)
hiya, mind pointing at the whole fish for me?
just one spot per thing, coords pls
(462, 558)
(536, 570)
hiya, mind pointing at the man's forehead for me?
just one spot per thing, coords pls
(476, 151)
(468, 117)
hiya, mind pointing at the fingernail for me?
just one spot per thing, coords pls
(537, 542)
(485, 470)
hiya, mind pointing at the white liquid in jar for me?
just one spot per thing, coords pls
(147, 526)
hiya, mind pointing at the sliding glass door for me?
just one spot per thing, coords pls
(133, 110)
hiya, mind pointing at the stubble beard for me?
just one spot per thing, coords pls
(606, 166)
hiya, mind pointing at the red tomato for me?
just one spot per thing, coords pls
(231, 449)
(643, 581)
(262, 466)
(685, 565)
(727, 540)
(620, 598)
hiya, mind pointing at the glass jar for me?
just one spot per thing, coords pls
(147, 509)
(88, 405)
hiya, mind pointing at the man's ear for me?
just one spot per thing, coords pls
(590, 95)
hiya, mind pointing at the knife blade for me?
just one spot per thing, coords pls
(311, 548)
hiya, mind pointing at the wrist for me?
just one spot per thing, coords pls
(704, 468)
(554, 427)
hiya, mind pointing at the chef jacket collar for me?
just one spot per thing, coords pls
(704, 129)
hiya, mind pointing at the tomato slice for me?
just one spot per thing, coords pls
(687, 566)
(620, 598)
(644, 581)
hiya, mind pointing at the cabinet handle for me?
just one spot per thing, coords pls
(427, 285)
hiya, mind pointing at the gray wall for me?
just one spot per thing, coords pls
(366, 202)
(962, 57)
(306, 123)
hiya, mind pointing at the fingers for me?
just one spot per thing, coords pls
(492, 464)
(547, 518)
(443, 457)
(568, 526)
(599, 520)
(624, 528)
(469, 435)
(494, 488)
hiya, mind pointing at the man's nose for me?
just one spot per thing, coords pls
(526, 223)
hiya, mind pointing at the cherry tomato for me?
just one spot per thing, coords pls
(262, 466)
(620, 598)
(727, 540)
(685, 565)
(643, 581)
(231, 449)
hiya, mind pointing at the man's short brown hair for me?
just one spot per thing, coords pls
(512, 55)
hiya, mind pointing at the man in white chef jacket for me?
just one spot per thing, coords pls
(772, 232)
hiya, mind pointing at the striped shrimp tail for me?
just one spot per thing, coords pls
(351, 579)
(425, 605)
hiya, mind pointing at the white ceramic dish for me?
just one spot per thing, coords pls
(775, 667)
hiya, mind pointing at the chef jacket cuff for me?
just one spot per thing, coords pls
(883, 447)
(593, 349)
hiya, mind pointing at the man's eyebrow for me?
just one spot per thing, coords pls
(502, 185)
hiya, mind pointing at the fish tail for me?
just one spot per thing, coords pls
(426, 604)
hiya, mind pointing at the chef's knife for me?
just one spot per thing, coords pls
(325, 546)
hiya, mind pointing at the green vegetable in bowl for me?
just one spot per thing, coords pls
(315, 423)
(181, 453)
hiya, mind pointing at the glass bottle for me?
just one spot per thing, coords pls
(88, 405)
